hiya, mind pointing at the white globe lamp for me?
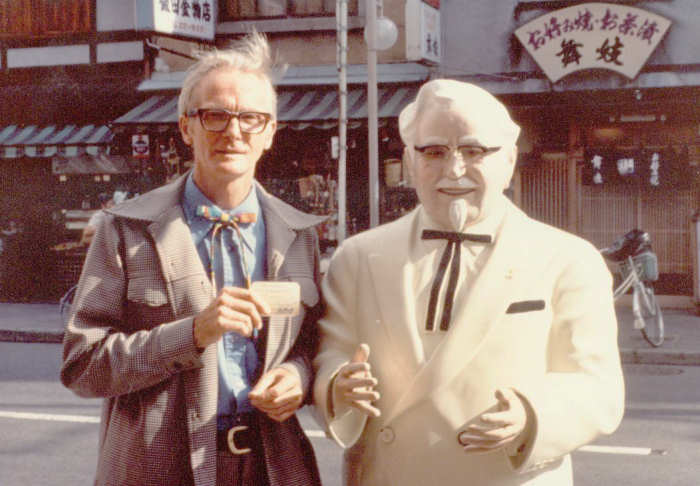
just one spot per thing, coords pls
(386, 36)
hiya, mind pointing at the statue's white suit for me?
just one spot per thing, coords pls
(533, 313)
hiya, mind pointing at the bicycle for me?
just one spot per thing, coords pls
(638, 268)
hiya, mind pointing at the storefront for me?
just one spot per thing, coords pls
(50, 179)
(607, 96)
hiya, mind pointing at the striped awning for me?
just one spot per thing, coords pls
(297, 109)
(47, 141)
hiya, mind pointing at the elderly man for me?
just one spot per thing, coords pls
(492, 336)
(200, 375)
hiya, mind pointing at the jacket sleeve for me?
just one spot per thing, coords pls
(582, 393)
(104, 353)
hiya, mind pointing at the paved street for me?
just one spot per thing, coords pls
(48, 436)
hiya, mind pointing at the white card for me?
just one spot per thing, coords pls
(283, 298)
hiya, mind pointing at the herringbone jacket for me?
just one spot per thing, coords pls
(129, 340)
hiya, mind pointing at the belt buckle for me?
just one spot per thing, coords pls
(231, 441)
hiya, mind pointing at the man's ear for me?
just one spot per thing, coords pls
(183, 123)
(512, 159)
(272, 127)
(407, 161)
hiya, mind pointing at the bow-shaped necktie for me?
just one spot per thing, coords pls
(222, 220)
(454, 246)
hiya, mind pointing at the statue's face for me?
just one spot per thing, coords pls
(459, 172)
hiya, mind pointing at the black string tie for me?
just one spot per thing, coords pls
(454, 246)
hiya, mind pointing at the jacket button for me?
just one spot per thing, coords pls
(386, 435)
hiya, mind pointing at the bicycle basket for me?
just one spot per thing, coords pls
(647, 266)
(632, 243)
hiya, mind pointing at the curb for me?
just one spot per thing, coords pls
(30, 336)
(627, 356)
(660, 357)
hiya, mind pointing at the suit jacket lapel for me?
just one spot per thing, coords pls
(396, 303)
(281, 223)
(473, 314)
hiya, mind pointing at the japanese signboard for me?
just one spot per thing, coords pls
(645, 168)
(423, 30)
(140, 147)
(189, 18)
(593, 35)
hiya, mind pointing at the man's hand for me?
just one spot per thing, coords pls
(235, 309)
(497, 429)
(354, 383)
(278, 394)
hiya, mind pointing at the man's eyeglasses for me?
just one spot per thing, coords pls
(468, 153)
(217, 120)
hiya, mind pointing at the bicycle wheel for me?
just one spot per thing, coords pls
(650, 312)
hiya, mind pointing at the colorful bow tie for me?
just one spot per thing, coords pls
(221, 220)
(216, 215)
(454, 241)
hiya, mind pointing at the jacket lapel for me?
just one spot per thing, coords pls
(281, 225)
(474, 314)
(396, 303)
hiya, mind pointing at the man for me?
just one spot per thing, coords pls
(492, 336)
(199, 388)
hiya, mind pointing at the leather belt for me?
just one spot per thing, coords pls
(239, 438)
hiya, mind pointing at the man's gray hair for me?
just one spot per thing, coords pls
(249, 54)
(446, 92)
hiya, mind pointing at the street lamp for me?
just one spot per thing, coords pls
(380, 33)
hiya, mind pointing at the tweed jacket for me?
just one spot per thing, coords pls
(538, 318)
(129, 340)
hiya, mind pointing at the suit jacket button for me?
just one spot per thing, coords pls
(387, 435)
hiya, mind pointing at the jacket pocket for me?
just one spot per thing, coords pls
(525, 306)
(147, 303)
(147, 291)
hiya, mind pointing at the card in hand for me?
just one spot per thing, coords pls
(282, 297)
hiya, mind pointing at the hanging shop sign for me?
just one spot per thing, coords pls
(188, 18)
(423, 30)
(644, 167)
(593, 36)
(140, 146)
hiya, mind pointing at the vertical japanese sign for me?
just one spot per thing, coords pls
(423, 42)
(593, 35)
(189, 18)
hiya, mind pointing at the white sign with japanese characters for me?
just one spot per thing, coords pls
(189, 18)
(423, 30)
(593, 35)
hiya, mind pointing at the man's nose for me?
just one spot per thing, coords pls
(455, 166)
(234, 128)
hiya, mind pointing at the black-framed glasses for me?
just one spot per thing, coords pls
(468, 153)
(218, 119)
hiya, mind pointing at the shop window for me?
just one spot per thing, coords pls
(44, 18)
(233, 10)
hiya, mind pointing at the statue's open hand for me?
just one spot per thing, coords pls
(354, 385)
(499, 428)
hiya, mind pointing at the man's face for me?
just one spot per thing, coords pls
(453, 162)
(230, 155)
